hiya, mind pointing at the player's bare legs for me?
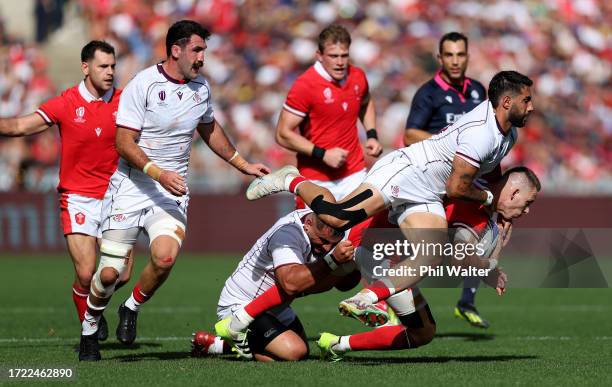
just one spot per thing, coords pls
(165, 247)
(288, 346)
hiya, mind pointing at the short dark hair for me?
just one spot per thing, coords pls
(507, 81)
(320, 225)
(89, 50)
(180, 32)
(453, 37)
(333, 34)
(529, 174)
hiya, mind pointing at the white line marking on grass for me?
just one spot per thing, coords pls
(51, 309)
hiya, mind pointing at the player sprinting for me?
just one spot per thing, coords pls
(293, 255)
(471, 224)
(324, 105)
(85, 116)
(438, 103)
(412, 181)
(159, 111)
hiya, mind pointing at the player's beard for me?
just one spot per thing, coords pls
(516, 118)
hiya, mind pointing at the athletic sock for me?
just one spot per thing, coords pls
(377, 291)
(387, 337)
(136, 299)
(79, 296)
(468, 295)
(216, 348)
(343, 344)
(292, 182)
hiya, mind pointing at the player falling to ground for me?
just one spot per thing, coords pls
(294, 254)
(85, 116)
(437, 104)
(515, 192)
(160, 109)
(324, 104)
(413, 181)
(470, 223)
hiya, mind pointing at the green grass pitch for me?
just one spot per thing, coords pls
(538, 336)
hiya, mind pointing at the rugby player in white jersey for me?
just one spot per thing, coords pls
(295, 255)
(413, 181)
(159, 111)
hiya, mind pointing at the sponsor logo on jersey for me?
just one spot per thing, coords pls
(327, 93)
(356, 88)
(98, 131)
(452, 117)
(79, 218)
(180, 95)
(80, 114)
(395, 189)
(197, 98)
(119, 218)
(475, 96)
(344, 106)
(449, 99)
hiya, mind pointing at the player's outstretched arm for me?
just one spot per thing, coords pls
(414, 135)
(214, 136)
(125, 141)
(22, 126)
(459, 184)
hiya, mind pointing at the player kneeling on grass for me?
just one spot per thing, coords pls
(295, 255)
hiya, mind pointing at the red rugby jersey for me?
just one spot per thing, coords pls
(331, 111)
(87, 129)
(466, 213)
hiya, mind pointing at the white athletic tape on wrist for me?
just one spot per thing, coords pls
(167, 226)
(492, 264)
(330, 261)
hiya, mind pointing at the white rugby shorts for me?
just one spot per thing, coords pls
(80, 214)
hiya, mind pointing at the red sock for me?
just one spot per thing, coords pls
(392, 337)
(79, 296)
(380, 289)
(139, 296)
(268, 299)
(294, 183)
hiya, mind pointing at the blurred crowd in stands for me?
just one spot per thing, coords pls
(259, 47)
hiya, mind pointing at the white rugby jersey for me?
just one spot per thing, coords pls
(284, 243)
(166, 112)
(475, 137)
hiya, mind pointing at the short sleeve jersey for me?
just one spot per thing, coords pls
(438, 104)
(330, 110)
(166, 112)
(87, 128)
(284, 243)
(476, 137)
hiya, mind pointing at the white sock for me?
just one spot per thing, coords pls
(240, 320)
(90, 324)
(217, 347)
(368, 295)
(132, 304)
(342, 345)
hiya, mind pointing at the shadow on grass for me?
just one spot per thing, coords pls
(467, 336)
(435, 359)
(172, 355)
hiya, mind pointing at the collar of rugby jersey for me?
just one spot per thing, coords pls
(163, 72)
(318, 66)
(446, 86)
(87, 96)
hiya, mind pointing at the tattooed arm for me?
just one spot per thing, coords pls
(459, 184)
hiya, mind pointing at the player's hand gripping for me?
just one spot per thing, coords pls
(173, 183)
(497, 279)
(344, 251)
(335, 157)
(373, 147)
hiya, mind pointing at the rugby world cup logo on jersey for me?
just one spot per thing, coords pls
(162, 98)
(327, 94)
(80, 114)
